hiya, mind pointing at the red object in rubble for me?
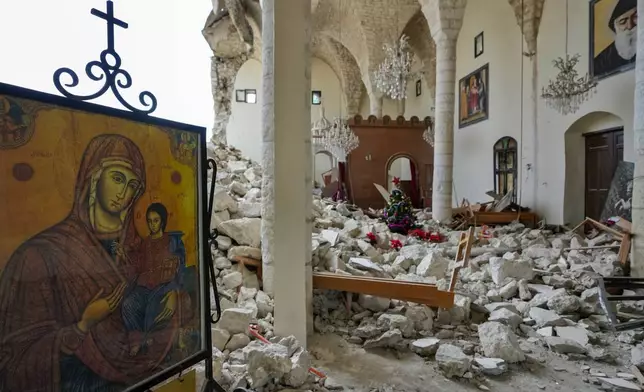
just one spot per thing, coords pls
(372, 238)
(396, 181)
(396, 244)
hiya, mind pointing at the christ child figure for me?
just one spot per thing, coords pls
(156, 263)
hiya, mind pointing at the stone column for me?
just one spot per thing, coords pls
(223, 72)
(375, 104)
(637, 254)
(401, 107)
(286, 188)
(445, 18)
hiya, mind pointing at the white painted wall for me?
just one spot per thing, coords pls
(543, 185)
(400, 168)
(244, 128)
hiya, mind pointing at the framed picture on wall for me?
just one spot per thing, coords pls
(419, 87)
(613, 37)
(473, 92)
(240, 95)
(316, 97)
(478, 45)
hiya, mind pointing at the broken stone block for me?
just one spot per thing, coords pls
(425, 347)
(498, 341)
(563, 304)
(452, 360)
(546, 318)
(506, 317)
(433, 265)
(509, 290)
(577, 334)
(546, 331)
(395, 321)
(502, 268)
(637, 356)
(422, 317)
(220, 338)
(246, 231)
(299, 373)
(491, 366)
(618, 385)
(235, 320)
(364, 264)
(237, 341)
(375, 304)
(391, 339)
(232, 280)
(266, 361)
(564, 346)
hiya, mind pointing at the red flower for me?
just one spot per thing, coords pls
(396, 244)
(372, 238)
(396, 181)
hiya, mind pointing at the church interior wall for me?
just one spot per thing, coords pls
(473, 144)
(614, 95)
(575, 156)
(244, 129)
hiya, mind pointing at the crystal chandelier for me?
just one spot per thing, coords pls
(395, 70)
(568, 90)
(320, 128)
(428, 135)
(340, 140)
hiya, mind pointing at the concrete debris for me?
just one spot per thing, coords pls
(524, 290)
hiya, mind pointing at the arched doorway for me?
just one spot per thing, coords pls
(322, 169)
(594, 144)
(404, 167)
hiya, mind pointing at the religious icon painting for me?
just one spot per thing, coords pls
(102, 278)
(472, 99)
(613, 37)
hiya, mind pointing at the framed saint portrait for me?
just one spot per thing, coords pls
(613, 37)
(103, 284)
(472, 99)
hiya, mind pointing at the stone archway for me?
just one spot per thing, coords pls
(575, 156)
(400, 165)
(323, 162)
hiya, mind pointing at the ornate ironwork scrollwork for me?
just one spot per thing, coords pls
(212, 238)
(107, 69)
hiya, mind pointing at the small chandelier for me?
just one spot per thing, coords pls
(568, 90)
(340, 140)
(428, 135)
(320, 128)
(394, 71)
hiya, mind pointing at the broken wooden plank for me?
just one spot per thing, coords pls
(462, 257)
(422, 293)
(502, 218)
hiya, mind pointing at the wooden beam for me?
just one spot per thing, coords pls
(422, 293)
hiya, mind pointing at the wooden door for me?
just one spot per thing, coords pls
(603, 152)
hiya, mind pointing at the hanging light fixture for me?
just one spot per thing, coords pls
(395, 70)
(428, 135)
(568, 90)
(320, 128)
(339, 139)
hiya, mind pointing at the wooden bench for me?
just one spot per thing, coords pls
(421, 293)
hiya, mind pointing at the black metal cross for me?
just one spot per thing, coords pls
(111, 21)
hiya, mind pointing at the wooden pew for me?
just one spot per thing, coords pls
(421, 293)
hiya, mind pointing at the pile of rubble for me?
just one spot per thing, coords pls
(523, 289)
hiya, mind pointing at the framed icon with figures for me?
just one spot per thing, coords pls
(102, 282)
(613, 37)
